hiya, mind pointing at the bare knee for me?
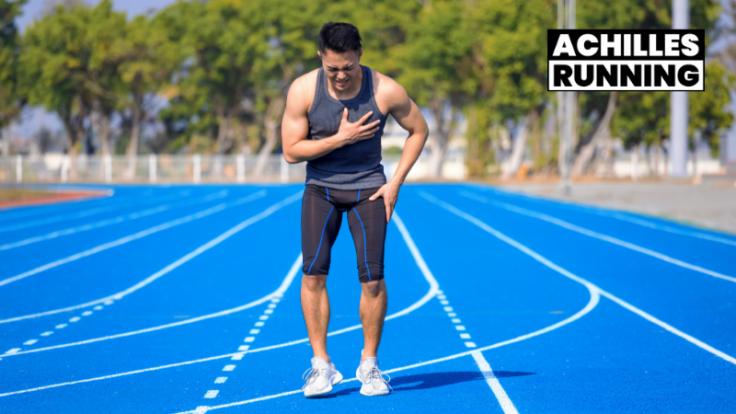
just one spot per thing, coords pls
(374, 288)
(314, 282)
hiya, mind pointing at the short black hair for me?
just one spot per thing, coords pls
(339, 38)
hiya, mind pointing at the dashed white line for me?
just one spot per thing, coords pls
(211, 394)
(30, 342)
(229, 368)
(464, 336)
(250, 339)
(471, 345)
(47, 333)
(456, 320)
(271, 305)
(448, 308)
(86, 313)
(74, 319)
(61, 326)
(263, 317)
(220, 380)
(459, 327)
(237, 357)
(259, 324)
(254, 331)
(268, 311)
(243, 347)
(98, 307)
(12, 351)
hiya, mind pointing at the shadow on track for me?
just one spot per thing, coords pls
(432, 380)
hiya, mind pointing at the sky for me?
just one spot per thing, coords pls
(32, 10)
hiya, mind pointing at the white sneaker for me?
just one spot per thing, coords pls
(320, 378)
(372, 378)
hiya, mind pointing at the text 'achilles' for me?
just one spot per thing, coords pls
(625, 60)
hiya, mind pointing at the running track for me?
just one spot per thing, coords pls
(186, 299)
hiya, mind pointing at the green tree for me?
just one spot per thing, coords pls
(55, 68)
(436, 62)
(510, 55)
(11, 101)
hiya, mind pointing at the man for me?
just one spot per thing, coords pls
(334, 120)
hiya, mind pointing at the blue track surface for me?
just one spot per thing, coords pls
(141, 301)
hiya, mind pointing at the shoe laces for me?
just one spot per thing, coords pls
(376, 374)
(311, 375)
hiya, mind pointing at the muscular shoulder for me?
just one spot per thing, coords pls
(301, 92)
(389, 93)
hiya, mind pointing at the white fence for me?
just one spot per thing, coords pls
(55, 168)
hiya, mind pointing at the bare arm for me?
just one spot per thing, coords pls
(407, 114)
(295, 128)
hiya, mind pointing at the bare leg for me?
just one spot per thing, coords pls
(316, 310)
(373, 302)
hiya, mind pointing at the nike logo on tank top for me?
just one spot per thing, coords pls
(353, 166)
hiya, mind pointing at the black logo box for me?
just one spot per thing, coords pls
(553, 36)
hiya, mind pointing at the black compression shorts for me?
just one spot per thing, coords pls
(322, 210)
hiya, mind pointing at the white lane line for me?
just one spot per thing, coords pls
(623, 216)
(271, 305)
(97, 307)
(228, 368)
(201, 410)
(591, 304)
(263, 317)
(485, 368)
(220, 380)
(506, 404)
(109, 222)
(596, 235)
(80, 214)
(578, 279)
(250, 339)
(61, 326)
(259, 324)
(211, 394)
(86, 313)
(184, 259)
(268, 311)
(47, 333)
(152, 230)
(433, 290)
(254, 331)
(237, 357)
(12, 351)
(30, 342)
(278, 292)
(75, 319)
(594, 298)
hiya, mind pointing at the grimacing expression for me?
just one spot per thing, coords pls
(341, 68)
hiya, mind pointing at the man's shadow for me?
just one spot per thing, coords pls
(432, 380)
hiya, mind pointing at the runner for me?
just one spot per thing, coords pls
(334, 120)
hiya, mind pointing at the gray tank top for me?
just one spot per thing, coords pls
(351, 167)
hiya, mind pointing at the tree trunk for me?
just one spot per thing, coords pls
(223, 133)
(586, 154)
(271, 121)
(132, 151)
(511, 166)
(443, 134)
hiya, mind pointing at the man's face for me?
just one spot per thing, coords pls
(341, 68)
